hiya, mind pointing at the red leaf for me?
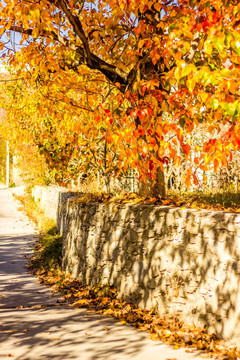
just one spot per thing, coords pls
(141, 114)
(151, 165)
(108, 112)
(186, 149)
(165, 160)
(141, 131)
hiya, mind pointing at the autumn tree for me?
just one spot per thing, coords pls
(72, 139)
(177, 58)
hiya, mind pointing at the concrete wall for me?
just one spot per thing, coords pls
(48, 199)
(178, 261)
(52, 200)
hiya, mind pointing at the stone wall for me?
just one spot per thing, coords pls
(178, 261)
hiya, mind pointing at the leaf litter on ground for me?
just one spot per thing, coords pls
(228, 201)
(169, 329)
(45, 264)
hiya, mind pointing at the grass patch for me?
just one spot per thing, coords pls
(48, 253)
(223, 201)
(48, 249)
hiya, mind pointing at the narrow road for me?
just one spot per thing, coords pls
(34, 327)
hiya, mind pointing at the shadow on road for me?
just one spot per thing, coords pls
(33, 325)
(69, 330)
(16, 286)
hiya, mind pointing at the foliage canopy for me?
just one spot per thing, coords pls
(120, 84)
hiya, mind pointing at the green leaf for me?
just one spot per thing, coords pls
(182, 122)
(207, 79)
(118, 111)
(172, 27)
(214, 104)
(226, 73)
(231, 108)
(236, 46)
(200, 119)
(218, 43)
(236, 43)
(193, 3)
(188, 69)
(228, 39)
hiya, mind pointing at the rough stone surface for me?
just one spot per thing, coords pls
(178, 261)
(34, 326)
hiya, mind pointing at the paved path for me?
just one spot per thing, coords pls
(56, 332)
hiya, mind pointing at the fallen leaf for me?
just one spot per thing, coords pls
(166, 202)
(9, 331)
(176, 292)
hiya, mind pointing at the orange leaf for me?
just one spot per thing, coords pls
(186, 149)
(177, 160)
(196, 160)
(195, 180)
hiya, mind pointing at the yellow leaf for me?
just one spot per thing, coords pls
(191, 84)
(35, 32)
(177, 74)
(208, 47)
(204, 96)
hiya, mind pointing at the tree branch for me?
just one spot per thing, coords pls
(113, 73)
(78, 29)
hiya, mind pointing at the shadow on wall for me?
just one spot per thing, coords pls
(184, 262)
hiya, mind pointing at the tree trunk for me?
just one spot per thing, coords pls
(107, 183)
(153, 188)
